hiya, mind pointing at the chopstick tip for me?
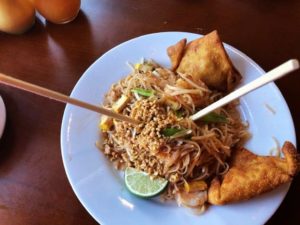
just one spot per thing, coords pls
(294, 63)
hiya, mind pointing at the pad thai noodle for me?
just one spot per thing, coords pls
(167, 143)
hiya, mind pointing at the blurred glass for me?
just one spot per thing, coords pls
(58, 11)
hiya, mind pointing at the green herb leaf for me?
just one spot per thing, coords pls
(168, 132)
(179, 113)
(143, 92)
(183, 133)
(214, 118)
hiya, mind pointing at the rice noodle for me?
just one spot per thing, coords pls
(275, 151)
(183, 76)
(273, 111)
(198, 153)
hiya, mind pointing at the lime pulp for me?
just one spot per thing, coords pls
(141, 184)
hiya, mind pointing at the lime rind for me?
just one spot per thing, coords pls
(141, 184)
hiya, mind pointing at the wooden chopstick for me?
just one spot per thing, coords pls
(272, 75)
(10, 81)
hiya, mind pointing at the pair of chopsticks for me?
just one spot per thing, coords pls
(274, 74)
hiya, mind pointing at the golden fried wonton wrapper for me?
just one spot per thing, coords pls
(206, 59)
(175, 52)
(251, 175)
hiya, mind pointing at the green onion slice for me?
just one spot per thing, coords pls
(168, 132)
(214, 118)
(143, 92)
(179, 113)
(176, 132)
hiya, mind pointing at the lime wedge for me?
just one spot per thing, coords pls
(139, 183)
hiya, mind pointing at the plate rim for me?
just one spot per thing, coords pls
(3, 116)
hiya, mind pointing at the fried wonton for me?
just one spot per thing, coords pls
(251, 175)
(175, 52)
(205, 59)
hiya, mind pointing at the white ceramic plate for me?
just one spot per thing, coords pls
(2, 116)
(101, 189)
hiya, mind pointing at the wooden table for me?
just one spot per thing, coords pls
(34, 189)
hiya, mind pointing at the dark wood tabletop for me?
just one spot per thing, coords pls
(34, 189)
